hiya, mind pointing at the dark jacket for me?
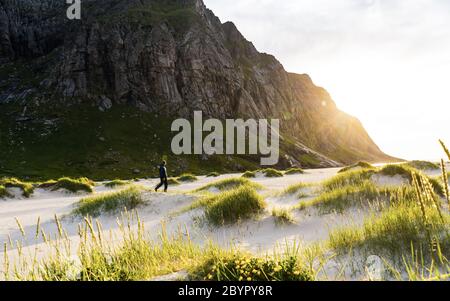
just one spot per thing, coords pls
(162, 171)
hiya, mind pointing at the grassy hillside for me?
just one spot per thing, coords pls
(80, 140)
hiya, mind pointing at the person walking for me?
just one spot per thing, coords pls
(163, 177)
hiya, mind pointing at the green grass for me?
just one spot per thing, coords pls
(294, 171)
(117, 182)
(111, 202)
(136, 257)
(243, 267)
(70, 184)
(230, 183)
(71, 146)
(283, 216)
(249, 174)
(233, 206)
(294, 189)
(412, 219)
(339, 200)
(358, 177)
(173, 181)
(187, 178)
(417, 270)
(213, 175)
(272, 173)
(422, 165)
(348, 178)
(392, 170)
(3, 192)
(407, 172)
(355, 189)
(27, 188)
(361, 164)
(395, 230)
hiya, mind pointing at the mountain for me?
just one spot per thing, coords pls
(96, 96)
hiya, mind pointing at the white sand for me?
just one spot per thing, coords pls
(262, 235)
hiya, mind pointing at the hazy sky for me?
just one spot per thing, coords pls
(386, 62)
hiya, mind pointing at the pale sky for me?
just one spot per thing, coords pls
(386, 62)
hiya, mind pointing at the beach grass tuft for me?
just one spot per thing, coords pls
(70, 184)
(415, 219)
(283, 216)
(187, 177)
(361, 165)
(230, 183)
(294, 171)
(213, 174)
(3, 192)
(295, 189)
(26, 188)
(272, 173)
(116, 183)
(422, 165)
(249, 174)
(232, 206)
(173, 181)
(239, 266)
(110, 202)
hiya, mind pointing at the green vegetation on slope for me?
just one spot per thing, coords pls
(3, 192)
(283, 216)
(267, 172)
(395, 230)
(249, 174)
(187, 178)
(416, 219)
(295, 189)
(231, 206)
(241, 267)
(72, 185)
(294, 171)
(137, 257)
(355, 188)
(422, 165)
(117, 182)
(357, 177)
(348, 196)
(79, 140)
(408, 172)
(362, 164)
(173, 181)
(230, 183)
(213, 174)
(110, 202)
(346, 179)
(27, 188)
(272, 173)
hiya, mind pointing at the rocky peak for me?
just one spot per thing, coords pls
(238, 44)
(173, 57)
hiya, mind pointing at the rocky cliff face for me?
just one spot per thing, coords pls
(171, 57)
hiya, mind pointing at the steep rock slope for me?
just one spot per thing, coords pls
(166, 57)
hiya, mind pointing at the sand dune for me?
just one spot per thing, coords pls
(261, 235)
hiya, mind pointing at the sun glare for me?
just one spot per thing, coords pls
(385, 62)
